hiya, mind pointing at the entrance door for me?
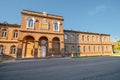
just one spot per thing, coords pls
(28, 47)
(29, 52)
(43, 44)
(43, 51)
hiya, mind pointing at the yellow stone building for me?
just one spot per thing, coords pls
(43, 35)
(39, 35)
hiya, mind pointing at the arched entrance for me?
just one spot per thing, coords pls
(28, 47)
(43, 47)
(56, 46)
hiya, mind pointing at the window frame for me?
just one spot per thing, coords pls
(15, 34)
(4, 33)
(58, 25)
(13, 49)
(33, 23)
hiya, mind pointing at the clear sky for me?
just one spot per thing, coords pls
(101, 16)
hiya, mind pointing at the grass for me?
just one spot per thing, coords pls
(115, 54)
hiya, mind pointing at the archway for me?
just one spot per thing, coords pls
(43, 47)
(28, 47)
(56, 46)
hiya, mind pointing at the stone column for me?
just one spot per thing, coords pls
(50, 48)
(36, 49)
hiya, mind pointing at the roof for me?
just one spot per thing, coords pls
(44, 14)
(11, 25)
(86, 32)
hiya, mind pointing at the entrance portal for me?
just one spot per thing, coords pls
(56, 47)
(29, 47)
(43, 43)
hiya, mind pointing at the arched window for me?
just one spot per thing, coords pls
(1, 49)
(30, 22)
(4, 33)
(56, 26)
(15, 35)
(13, 49)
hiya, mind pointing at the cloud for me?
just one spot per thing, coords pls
(97, 10)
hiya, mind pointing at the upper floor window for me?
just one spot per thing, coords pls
(93, 38)
(82, 37)
(13, 49)
(56, 26)
(30, 22)
(88, 38)
(66, 36)
(15, 34)
(4, 33)
(1, 49)
(71, 37)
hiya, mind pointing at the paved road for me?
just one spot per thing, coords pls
(96, 68)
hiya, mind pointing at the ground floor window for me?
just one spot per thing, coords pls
(1, 49)
(13, 49)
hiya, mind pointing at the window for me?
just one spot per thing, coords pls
(88, 38)
(78, 49)
(1, 49)
(83, 38)
(106, 48)
(66, 36)
(56, 26)
(72, 48)
(71, 37)
(84, 50)
(93, 38)
(13, 49)
(30, 22)
(15, 34)
(4, 33)
(66, 49)
(89, 49)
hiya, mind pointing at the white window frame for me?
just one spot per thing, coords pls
(15, 34)
(58, 24)
(65, 36)
(27, 26)
(4, 33)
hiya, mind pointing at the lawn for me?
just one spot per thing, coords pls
(115, 54)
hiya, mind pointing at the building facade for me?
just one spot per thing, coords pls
(42, 35)
(39, 35)
(86, 43)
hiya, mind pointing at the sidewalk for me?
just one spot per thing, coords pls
(33, 59)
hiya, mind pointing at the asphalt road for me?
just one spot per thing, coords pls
(96, 68)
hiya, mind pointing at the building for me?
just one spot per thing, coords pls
(39, 35)
(42, 35)
(79, 43)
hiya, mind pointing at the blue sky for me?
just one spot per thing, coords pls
(101, 16)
